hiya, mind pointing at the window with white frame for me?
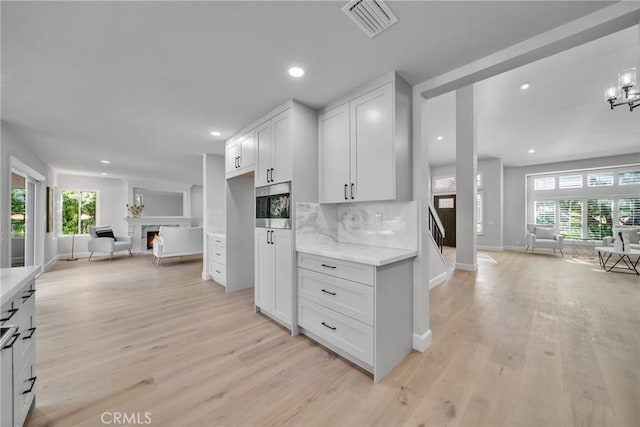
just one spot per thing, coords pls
(585, 203)
(78, 211)
(445, 183)
(479, 216)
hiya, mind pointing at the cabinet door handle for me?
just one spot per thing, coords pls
(271, 174)
(268, 180)
(272, 238)
(328, 266)
(11, 312)
(14, 338)
(352, 191)
(33, 331)
(345, 192)
(330, 293)
(330, 327)
(33, 383)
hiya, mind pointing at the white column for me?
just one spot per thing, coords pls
(466, 171)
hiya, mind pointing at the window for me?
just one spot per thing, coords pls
(570, 181)
(447, 203)
(78, 211)
(629, 211)
(17, 211)
(600, 179)
(479, 213)
(629, 177)
(599, 218)
(479, 180)
(571, 218)
(445, 183)
(545, 212)
(546, 183)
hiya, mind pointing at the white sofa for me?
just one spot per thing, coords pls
(543, 237)
(631, 233)
(177, 241)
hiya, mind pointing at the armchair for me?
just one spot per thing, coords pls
(103, 240)
(543, 237)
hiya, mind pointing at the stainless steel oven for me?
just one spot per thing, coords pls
(273, 206)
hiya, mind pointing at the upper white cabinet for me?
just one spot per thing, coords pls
(364, 145)
(274, 152)
(239, 155)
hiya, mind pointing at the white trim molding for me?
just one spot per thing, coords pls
(438, 280)
(491, 248)
(466, 267)
(422, 342)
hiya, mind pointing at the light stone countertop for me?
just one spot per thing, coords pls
(370, 255)
(12, 280)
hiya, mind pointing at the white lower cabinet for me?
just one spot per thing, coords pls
(217, 258)
(360, 311)
(274, 266)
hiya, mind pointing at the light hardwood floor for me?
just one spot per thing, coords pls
(529, 340)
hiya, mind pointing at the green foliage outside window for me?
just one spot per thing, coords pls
(78, 211)
(17, 211)
(599, 218)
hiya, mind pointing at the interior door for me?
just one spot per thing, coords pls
(372, 145)
(333, 149)
(283, 274)
(446, 208)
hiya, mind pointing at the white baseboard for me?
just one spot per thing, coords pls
(422, 342)
(63, 257)
(48, 265)
(466, 267)
(491, 248)
(438, 280)
(205, 276)
(513, 248)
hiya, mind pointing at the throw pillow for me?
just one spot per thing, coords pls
(105, 233)
(544, 233)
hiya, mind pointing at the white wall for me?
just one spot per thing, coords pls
(492, 192)
(515, 191)
(197, 206)
(163, 204)
(214, 193)
(10, 145)
(110, 208)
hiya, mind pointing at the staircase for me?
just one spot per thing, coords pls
(437, 264)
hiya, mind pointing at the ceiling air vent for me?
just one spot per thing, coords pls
(372, 16)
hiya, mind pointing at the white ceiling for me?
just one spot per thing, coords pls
(143, 83)
(563, 116)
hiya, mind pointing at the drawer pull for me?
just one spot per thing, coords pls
(28, 294)
(218, 271)
(32, 330)
(33, 383)
(328, 266)
(327, 326)
(13, 341)
(330, 293)
(11, 312)
(217, 254)
(218, 241)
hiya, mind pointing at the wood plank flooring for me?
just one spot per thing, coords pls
(528, 340)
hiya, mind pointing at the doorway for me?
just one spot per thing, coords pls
(446, 209)
(18, 219)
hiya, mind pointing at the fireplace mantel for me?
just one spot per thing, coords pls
(136, 226)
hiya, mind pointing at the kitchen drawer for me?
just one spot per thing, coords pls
(343, 332)
(344, 269)
(219, 273)
(218, 239)
(219, 255)
(350, 298)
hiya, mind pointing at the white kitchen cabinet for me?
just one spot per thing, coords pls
(362, 312)
(333, 153)
(239, 155)
(274, 151)
(217, 257)
(364, 145)
(274, 273)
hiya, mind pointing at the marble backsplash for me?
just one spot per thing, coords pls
(384, 224)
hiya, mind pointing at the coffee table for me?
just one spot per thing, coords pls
(629, 258)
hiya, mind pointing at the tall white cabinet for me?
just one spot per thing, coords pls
(364, 147)
(274, 281)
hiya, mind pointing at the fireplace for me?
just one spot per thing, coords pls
(151, 235)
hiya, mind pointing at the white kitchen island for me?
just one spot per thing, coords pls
(17, 352)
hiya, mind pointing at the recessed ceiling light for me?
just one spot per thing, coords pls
(531, 151)
(525, 86)
(440, 137)
(215, 133)
(106, 162)
(296, 72)
(104, 174)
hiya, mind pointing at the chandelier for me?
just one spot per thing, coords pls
(626, 92)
